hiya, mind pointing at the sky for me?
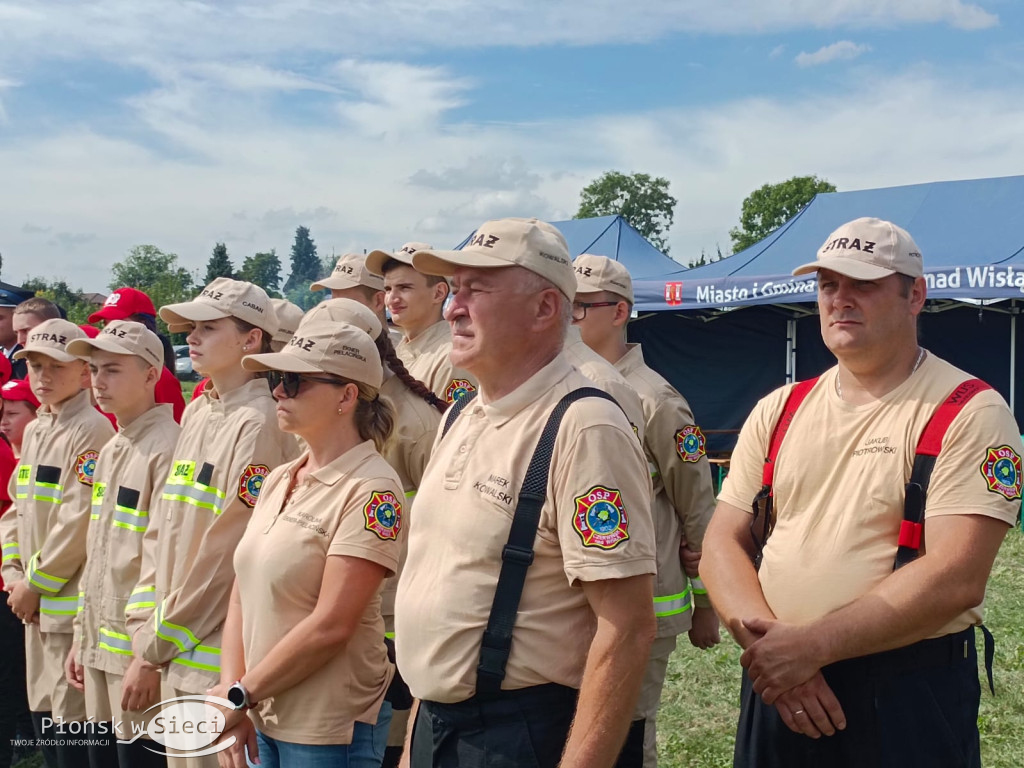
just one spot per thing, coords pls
(184, 123)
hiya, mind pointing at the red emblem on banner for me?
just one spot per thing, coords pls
(673, 294)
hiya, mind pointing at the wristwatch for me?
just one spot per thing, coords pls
(239, 697)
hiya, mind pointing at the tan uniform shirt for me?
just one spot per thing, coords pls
(427, 358)
(226, 449)
(603, 375)
(839, 484)
(352, 507)
(407, 452)
(130, 476)
(44, 531)
(684, 498)
(595, 524)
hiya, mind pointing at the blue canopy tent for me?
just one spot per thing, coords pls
(970, 232)
(614, 237)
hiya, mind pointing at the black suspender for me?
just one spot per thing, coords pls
(455, 410)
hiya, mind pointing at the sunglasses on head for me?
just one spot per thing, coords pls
(291, 381)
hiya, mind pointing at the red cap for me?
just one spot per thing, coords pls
(122, 304)
(90, 330)
(19, 389)
(5, 370)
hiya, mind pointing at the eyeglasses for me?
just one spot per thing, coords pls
(290, 381)
(579, 308)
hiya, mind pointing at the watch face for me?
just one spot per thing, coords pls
(236, 695)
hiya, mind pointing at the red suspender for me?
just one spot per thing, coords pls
(796, 397)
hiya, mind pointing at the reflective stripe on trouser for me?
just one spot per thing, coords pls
(141, 597)
(11, 552)
(196, 494)
(41, 579)
(670, 605)
(58, 606)
(182, 637)
(115, 642)
(130, 519)
(205, 657)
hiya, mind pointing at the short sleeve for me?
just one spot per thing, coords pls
(746, 465)
(371, 525)
(602, 490)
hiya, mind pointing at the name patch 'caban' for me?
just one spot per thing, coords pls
(690, 443)
(250, 483)
(600, 518)
(383, 513)
(1001, 470)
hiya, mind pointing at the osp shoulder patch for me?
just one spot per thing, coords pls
(85, 466)
(383, 514)
(250, 483)
(456, 389)
(600, 518)
(1002, 472)
(690, 442)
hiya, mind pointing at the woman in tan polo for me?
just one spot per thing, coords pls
(304, 638)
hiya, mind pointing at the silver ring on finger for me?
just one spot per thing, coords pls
(798, 712)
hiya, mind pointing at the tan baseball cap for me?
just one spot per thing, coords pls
(376, 260)
(599, 273)
(351, 270)
(288, 318)
(223, 297)
(325, 347)
(51, 338)
(868, 249)
(123, 337)
(529, 243)
(346, 311)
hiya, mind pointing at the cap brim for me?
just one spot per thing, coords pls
(108, 313)
(179, 316)
(334, 284)
(858, 270)
(375, 260)
(83, 347)
(278, 361)
(581, 288)
(56, 354)
(444, 263)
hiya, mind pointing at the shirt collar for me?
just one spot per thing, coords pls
(145, 422)
(437, 334)
(341, 467)
(530, 391)
(632, 361)
(241, 395)
(70, 409)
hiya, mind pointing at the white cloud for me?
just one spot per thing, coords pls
(777, 51)
(843, 50)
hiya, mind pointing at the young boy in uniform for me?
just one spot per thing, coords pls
(43, 533)
(126, 361)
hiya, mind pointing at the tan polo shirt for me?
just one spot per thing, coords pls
(227, 447)
(684, 497)
(407, 452)
(595, 525)
(44, 530)
(130, 472)
(839, 482)
(603, 375)
(427, 358)
(353, 508)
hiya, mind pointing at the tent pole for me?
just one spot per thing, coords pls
(1013, 357)
(790, 351)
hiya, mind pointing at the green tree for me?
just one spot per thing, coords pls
(768, 208)
(305, 264)
(643, 201)
(263, 269)
(63, 295)
(219, 264)
(704, 259)
(149, 269)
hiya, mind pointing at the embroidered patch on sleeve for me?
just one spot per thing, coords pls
(85, 466)
(251, 482)
(456, 389)
(383, 514)
(1001, 470)
(690, 443)
(600, 519)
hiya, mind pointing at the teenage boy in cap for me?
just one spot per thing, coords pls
(44, 532)
(26, 316)
(683, 495)
(416, 301)
(125, 360)
(585, 623)
(843, 639)
(133, 304)
(10, 297)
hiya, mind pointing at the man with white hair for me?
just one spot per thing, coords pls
(526, 642)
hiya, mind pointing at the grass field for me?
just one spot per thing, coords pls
(701, 699)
